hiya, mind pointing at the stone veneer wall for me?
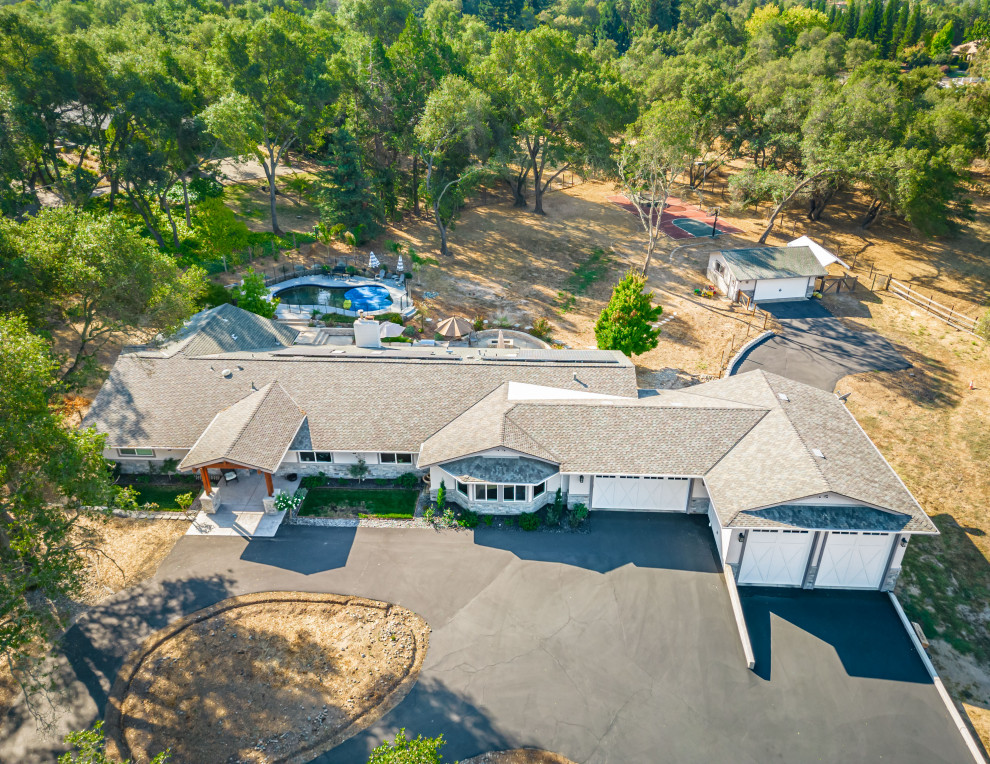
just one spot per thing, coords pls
(387, 471)
(494, 507)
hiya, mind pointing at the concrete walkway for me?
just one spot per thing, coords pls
(817, 348)
(616, 645)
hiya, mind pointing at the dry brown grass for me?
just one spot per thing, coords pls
(935, 432)
(270, 677)
(130, 552)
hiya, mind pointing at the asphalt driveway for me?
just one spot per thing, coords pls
(817, 348)
(616, 645)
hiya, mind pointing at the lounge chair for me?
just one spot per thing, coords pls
(402, 280)
(381, 275)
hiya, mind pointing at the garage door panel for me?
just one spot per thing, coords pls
(640, 493)
(780, 289)
(775, 558)
(854, 560)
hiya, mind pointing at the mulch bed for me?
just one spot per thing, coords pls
(268, 677)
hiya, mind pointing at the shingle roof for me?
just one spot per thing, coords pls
(352, 403)
(228, 329)
(753, 437)
(254, 432)
(776, 463)
(476, 469)
(772, 263)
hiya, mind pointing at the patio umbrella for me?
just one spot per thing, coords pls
(451, 328)
(500, 342)
(373, 261)
(389, 329)
(399, 266)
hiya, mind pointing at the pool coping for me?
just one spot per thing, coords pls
(401, 302)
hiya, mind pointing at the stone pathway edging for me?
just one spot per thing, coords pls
(363, 522)
(155, 515)
(113, 719)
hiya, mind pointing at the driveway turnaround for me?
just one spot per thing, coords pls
(616, 645)
(817, 348)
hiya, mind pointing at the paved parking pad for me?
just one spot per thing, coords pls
(817, 348)
(616, 645)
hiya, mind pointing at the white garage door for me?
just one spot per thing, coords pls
(780, 289)
(854, 560)
(775, 558)
(647, 493)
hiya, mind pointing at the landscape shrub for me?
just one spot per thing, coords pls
(395, 318)
(555, 509)
(541, 329)
(479, 324)
(488, 519)
(448, 520)
(381, 481)
(338, 318)
(467, 519)
(399, 339)
(407, 480)
(529, 521)
(184, 500)
(285, 502)
(579, 513)
(983, 326)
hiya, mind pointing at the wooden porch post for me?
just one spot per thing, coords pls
(268, 484)
(204, 473)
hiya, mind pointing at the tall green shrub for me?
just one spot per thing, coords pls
(626, 322)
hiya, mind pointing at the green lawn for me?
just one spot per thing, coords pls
(164, 495)
(346, 502)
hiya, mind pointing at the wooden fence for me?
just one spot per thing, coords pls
(826, 284)
(885, 282)
(760, 321)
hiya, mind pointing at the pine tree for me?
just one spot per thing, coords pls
(611, 26)
(886, 34)
(626, 322)
(343, 191)
(851, 19)
(866, 30)
(832, 18)
(897, 36)
(912, 32)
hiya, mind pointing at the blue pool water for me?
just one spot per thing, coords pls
(366, 297)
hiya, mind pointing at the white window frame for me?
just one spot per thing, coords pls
(539, 489)
(462, 488)
(481, 492)
(395, 457)
(316, 457)
(515, 492)
(136, 453)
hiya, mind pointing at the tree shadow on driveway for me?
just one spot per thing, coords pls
(326, 549)
(430, 709)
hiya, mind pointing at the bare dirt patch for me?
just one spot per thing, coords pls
(123, 552)
(271, 677)
(519, 756)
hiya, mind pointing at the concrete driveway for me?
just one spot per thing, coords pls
(616, 645)
(817, 348)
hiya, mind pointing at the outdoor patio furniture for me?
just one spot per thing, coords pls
(230, 476)
(402, 280)
(380, 275)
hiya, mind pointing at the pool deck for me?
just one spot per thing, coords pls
(401, 302)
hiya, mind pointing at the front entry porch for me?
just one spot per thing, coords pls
(239, 506)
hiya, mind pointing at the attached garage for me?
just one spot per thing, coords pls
(854, 560)
(775, 557)
(652, 494)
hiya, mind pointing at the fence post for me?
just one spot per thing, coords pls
(872, 283)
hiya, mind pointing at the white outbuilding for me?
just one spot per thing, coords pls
(764, 274)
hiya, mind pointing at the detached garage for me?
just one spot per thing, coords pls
(764, 274)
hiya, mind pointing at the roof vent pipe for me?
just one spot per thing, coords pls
(227, 373)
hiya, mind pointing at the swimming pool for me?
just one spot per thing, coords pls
(367, 297)
(694, 227)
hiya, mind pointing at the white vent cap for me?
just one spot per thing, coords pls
(783, 396)
(817, 452)
(227, 373)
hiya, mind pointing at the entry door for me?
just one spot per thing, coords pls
(854, 560)
(775, 557)
(656, 494)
